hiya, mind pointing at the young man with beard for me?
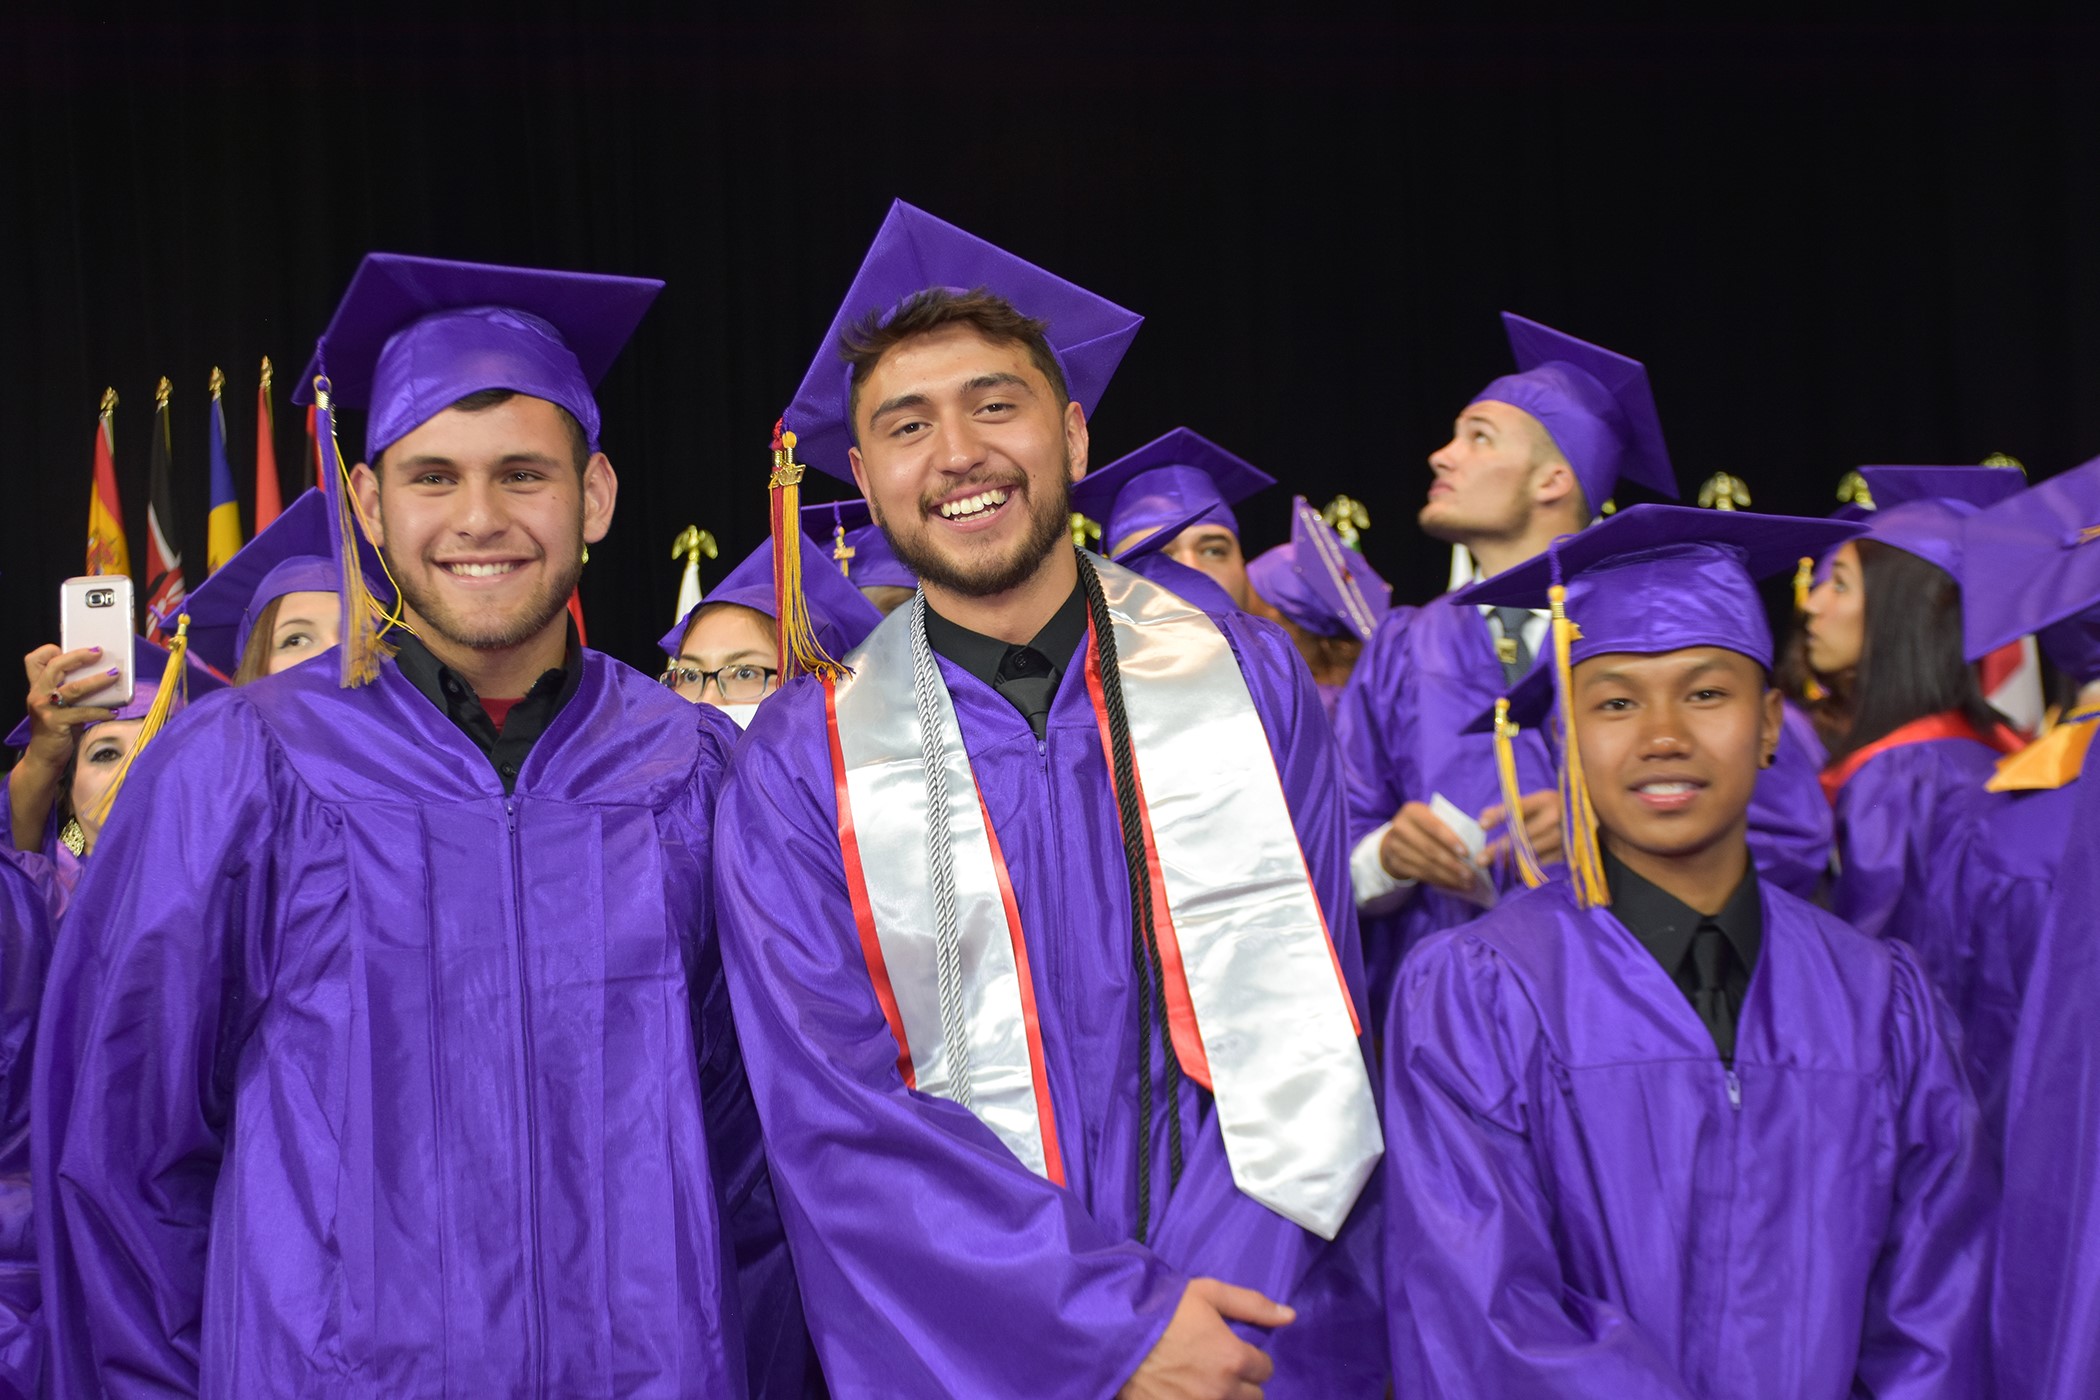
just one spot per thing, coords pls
(1662, 1128)
(1056, 1059)
(389, 1054)
(1534, 457)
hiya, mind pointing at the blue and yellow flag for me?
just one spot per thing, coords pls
(223, 537)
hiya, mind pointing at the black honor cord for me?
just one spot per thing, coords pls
(1150, 977)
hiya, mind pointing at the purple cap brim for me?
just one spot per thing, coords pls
(1319, 583)
(295, 553)
(1180, 475)
(2034, 561)
(841, 617)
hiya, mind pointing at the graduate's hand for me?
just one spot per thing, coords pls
(55, 711)
(1541, 823)
(1198, 1357)
(1419, 847)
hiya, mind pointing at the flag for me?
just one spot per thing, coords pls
(576, 613)
(223, 525)
(106, 551)
(269, 493)
(164, 590)
(2012, 682)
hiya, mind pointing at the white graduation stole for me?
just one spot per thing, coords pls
(1256, 1004)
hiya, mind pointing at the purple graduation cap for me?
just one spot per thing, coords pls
(874, 564)
(412, 336)
(915, 252)
(150, 669)
(1318, 582)
(2035, 560)
(1920, 510)
(1147, 558)
(295, 554)
(1181, 476)
(1594, 403)
(841, 616)
(1648, 580)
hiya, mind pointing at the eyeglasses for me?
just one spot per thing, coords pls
(735, 684)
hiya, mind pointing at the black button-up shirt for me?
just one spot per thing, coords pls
(506, 749)
(1668, 927)
(1027, 676)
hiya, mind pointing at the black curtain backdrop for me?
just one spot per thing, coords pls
(1832, 243)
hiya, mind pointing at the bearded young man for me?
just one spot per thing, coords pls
(388, 1053)
(1057, 1066)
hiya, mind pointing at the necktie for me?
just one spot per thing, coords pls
(1509, 647)
(1028, 682)
(1710, 959)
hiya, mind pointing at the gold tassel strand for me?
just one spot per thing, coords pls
(1529, 866)
(800, 651)
(1578, 818)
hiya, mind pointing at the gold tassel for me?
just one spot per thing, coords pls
(367, 620)
(800, 651)
(1527, 857)
(175, 678)
(1578, 819)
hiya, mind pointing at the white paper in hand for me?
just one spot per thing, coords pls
(1468, 831)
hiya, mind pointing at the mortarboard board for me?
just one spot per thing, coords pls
(1920, 510)
(2035, 560)
(1148, 559)
(841, 617)
(1594, 403)
(295, 553)
(1648, 580)
(412, 336)
(874, 564)
(1318, 582)
(914, 252)
(1181, 475)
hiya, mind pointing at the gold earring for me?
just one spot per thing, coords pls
(586, 554)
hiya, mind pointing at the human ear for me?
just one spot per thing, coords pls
(364, 484)
(601, 486)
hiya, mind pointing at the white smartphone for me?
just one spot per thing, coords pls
(96, 611)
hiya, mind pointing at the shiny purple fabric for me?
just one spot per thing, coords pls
(25, 949)
(2036, 565)
(1895, 818)
(1178, 480)
(1299, 580)
(1423, 678)
(358, 1077)
(839, 613)
(2046, 1306)
(295, 554)
(933, 1262)
(1585, 1202)
(1929, 529)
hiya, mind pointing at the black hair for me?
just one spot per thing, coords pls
(1910, 660)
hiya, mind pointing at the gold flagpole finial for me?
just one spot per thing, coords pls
(1084, 531)
(267, 372)
(1723, 491)
(2005, 459)
(1853, 491)
(1348, 518)
(161, 391)
(109, 402)
(692, 543)
(218, 381)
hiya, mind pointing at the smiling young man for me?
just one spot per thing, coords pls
(437, 1091)
(1533, 457)
(1662, 1128)
(1058, 1070)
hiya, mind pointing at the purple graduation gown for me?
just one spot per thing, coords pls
(25, 947)
(2046, 1307)
(1895, 816)
(357, 1077)
(52, 868)
(1430, 671)
(1584, 1201)
(932, 1262)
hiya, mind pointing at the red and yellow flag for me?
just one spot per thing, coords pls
(106, 551)
(269, 494)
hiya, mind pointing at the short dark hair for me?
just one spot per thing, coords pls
(483, 399)
(863, 344)
(1910, 660)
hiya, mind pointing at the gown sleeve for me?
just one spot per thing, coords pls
(1876, 813)
(1790, 823)
(1366, 721)
(146, 1002)
(1478, 1301)
(932, 1262)
(1924, 1326)
(25, 945)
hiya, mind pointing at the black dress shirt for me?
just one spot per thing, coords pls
(1026, 676)
(506, 748)
(1710, 957)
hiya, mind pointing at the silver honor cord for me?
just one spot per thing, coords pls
(940, 858)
